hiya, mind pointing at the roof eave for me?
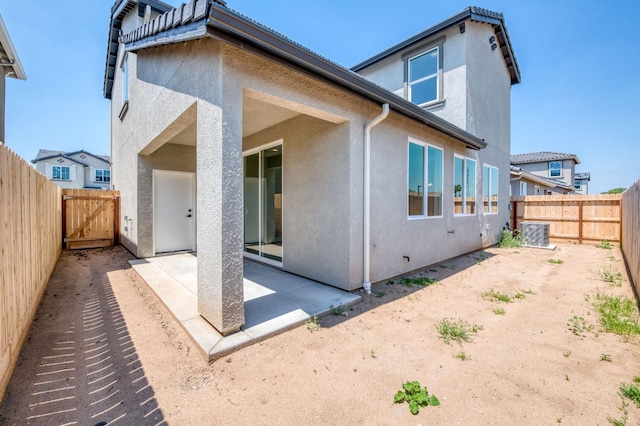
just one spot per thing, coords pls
(7, 45)
(223, 21)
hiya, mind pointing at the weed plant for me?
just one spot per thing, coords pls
(457, 330)
(416, 397)
(508, 239)
(618, 314)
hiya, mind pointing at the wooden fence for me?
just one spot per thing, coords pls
(631, 232)
(572, 217)
(90, 218)
(30, 244)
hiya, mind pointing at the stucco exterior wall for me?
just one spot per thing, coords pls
(542, 169)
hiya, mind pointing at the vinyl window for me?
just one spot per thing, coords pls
(555, 169)
(103, 175)
(60, 173)
(490, 189)
(464, 186)
(425, 166)
(423, 74)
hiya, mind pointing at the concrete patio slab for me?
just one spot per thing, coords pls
(274, 301)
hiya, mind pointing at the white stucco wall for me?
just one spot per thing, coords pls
(542, 169)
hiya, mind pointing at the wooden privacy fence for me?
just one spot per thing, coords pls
(572, 217)
(30, 244)
(631, 232)
(90, 218)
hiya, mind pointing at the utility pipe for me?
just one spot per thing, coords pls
(367, 196)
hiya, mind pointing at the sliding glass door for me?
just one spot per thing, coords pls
(263, 204)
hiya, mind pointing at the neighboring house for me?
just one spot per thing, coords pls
(581, 182)
(229, 137)
(527, 183)
(77, 169)
(557, 167)
(11, 67)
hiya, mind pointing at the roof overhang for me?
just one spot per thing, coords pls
(478, 14)
(523, 174)
(225, 24)
(9, 59)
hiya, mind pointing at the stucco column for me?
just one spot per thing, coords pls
(219, 217)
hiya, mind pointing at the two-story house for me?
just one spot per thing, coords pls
(76, 169)
(231, 138)
(557, 171)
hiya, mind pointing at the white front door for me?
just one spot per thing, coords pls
(173, 211)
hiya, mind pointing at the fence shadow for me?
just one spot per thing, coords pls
(79, 365)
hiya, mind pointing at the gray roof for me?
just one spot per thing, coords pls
(582, 176)
(474, 13)
(45, 154)
(553, 183)
(8, 56)
(211, 18)
(541, 157)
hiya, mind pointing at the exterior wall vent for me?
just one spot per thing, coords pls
(535, 233)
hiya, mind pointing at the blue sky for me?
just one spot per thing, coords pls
(579, 60)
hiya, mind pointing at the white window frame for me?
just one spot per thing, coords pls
(523, 188)
(489, 204)
(53, 173)
(436, 75)
(102, 179)
(425, 203)
(577, 185)
(465, 161)
(125, 79)
(551, 169)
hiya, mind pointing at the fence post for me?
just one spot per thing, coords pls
(580, 204)
(515, 215)
(64, 222)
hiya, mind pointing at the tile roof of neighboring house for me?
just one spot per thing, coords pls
(45, 154)
(554, 183)
(539, 157)
(211, 18)
(474, 13)
(583, 176)
(9, 56)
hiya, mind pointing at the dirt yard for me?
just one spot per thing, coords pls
(525, 366)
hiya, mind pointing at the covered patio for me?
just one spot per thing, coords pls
(274, 300)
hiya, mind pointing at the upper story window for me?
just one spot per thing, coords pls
(103, 175)
(425, 195)
(60, 173)
(555, 169)
(423, 74)
(464, 185)
(423, 77)
(578, 185)
(125, 79)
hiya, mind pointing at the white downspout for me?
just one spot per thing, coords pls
(367, 196)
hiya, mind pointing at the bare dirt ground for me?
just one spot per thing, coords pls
(133, 364)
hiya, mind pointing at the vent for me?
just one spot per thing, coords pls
(535, 233)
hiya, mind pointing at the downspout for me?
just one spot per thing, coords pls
(367, 196)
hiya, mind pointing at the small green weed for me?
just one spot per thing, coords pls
(605, 244)
(556, 261)
(577, 325)
(337, 311)
(457, 330)
(636, 379)
(618, 314)
(508, 240)
(528, 291)
(495, 296)
(421, 281)
(416, 397)
(313, 324)
(519, 295)
(605, 357)
(632, 392)
(498, 311)
(624, 409)
(566, 354)
(614, 279)
(379, 293)
(462, 356)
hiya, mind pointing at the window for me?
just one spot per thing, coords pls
(422, 77)
(537, 189)
(103, 175)
(578, 185)
(523, 188)
(489, 189)
(60, 172)
(555, 169)
(464, 185)
(424, 160)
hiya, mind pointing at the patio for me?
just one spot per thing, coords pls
(274, 300)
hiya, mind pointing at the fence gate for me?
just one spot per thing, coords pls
(90, 218)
